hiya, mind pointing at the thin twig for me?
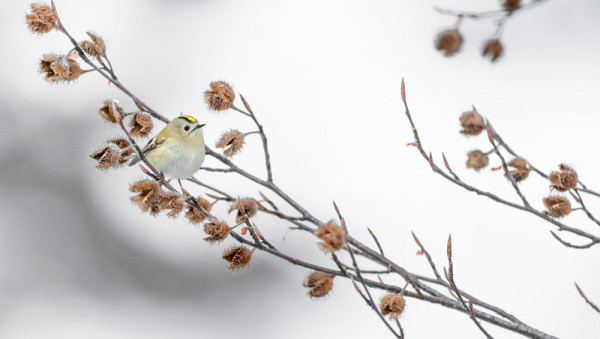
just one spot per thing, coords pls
(586, 299)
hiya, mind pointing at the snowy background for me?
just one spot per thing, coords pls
(78, 260)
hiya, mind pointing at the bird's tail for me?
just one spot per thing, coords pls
(133, 159)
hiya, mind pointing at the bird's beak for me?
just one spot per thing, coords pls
(199, 126)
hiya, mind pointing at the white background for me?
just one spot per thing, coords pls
(79, 260)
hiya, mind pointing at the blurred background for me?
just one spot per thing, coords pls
(78, 260)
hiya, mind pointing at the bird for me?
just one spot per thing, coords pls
(177, 151)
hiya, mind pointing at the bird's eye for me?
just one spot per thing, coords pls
(187, 128)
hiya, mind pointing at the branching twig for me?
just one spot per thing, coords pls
(422, 284)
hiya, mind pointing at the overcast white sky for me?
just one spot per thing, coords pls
(79, 260)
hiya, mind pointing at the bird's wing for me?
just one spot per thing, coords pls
(151, 145)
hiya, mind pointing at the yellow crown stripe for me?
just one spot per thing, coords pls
(188, 118)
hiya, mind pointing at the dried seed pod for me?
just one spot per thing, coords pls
(319, 284)
(141, 125)
(332, 236)
(220, 96)
(107, 157)
(57, 68)
(110, 110)
(477, 160)
(493, 48)
(96, 47)
(522, 170)
(244, 206)
(171, 202)
(217, 231)
(234, 139)
(565, 179)
(195, 216)
(122, 144)
(511, 5)
(149, 195)
(557, 206)
(471, 123)
(392, 304)
(238, 257)
(42, 18)
(449, 41)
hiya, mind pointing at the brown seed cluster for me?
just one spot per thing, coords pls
(113, 154)
(238, 257)
(96, 47)
(449, 41)
(195, 216)
(557, 206)
(108, 156)
(57, 68)
(42, 18)
(332, 236)
(511, 5)
(110, 111)
(220, 97)
(151, 198)
(123, 144)
(493, 48)
(232, 141)
(471, 123)
(565, 179)
(148, 197)
(477, 160)
(319, 284)
(217, 231)
(392, 304)
(521, 171)
(141, 125)
(245, 207)
(172, 203)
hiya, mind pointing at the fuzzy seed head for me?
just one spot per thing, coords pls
(449, 41)
(232, 141)
(220, 96)
(108, 156)
(109, 110)
(477, 160)
(565, 179)
(238, 257)
(319, 284)
(493, 48)
(42, 18)
(245, 207)
(122, 144)
(195, 216)
(96, 47)
(471, 123)
(141, 125)
(557, 206)
(392, 304)
(332, 236)
(172, 203)
(58, 68)
(148, 197)
(511, 5)
(521, 171)
(217, 231)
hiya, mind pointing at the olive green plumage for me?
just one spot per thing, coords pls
(178, 150)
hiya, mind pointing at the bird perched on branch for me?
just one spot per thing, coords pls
(178, 150)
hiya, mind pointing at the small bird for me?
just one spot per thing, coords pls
(178, 150)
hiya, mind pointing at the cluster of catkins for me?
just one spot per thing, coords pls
(557, 206)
